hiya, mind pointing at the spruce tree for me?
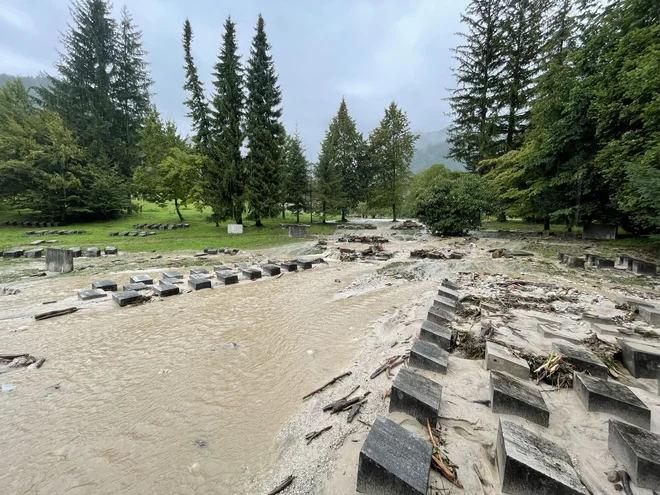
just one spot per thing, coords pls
(296, 180)
(226, 119)
(392, 146)
(476, 128)
(327, 180)
(263, 128)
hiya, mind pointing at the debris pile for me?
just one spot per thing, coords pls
(357, 226)
(376, 239)
(408, 225)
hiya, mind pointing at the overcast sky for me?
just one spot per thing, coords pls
(369, 51)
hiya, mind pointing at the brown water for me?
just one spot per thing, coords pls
(127, 395)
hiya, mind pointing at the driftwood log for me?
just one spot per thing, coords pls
(53, 314)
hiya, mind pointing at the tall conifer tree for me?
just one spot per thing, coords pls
(296, 179)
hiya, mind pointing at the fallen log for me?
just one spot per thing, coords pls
(53, 314)
(343, 404)
(311, 436)
(360, 401)
(281, 487)
(331, 382)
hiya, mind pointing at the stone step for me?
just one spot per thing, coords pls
(86, 295)
(226, 277)
(582, 359)
(106, 285)
(448, 293)
(440, 335)
(640, 359)
(13, 253)
(92, 252)
(635, 301)
(449, 284)
(416, 395)
(613, 398)
(446, 305)
(136, 286)
(439, 316)
(251, 273)
(641, 267)
(289, 266)
(34, 253)
(304, 264)
(271, 270)
(603, 263)
(427, 356)
(638, 450)
(528, 463)
(163, 289)
(110, 250)
(550, 332)
(510, 396)
(500, 358)
(221, 268)
(126, 298)
(198, 271)
(574, 262)
(76, 251)
(650, 315)
(393, 461)
(199, 282)
(173, 274)
(145, 279)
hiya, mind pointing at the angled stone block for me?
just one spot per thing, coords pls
(603, 263)
(500, 358)
(613, 398)
(640, 359)
(76, 252)
(86, 295)
(106, 285)
(289, 266)
(145, 279)
(638, 450)
(164, 289)
(251, 273)
(641, 267)
(271, 270)
(34, 253)
(427, 356)
(135, 286)
(221, 268)
(92, 252)
(440, 335)
(173, 275)
(510, 396)
(581, 359)
(13, 253)
(304, 264)
(438, 316)
(446, 305)
(552, 333)
(227, 277)
(624, 261)
(416, 395)
(198, 271)
(634, 301)
(650, 315)
(125, 298)
(393, 461)
(110, 250)
(530, 464)
(448, 293)
(574, 262)
(198, 283)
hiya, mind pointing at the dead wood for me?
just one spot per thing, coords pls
(282, 486)
(355, 410)
(439, 462)
(625, 481)
(11, 357)
(53, 314)
(331, 382)
(311, 436)
(331, 405)
(40, 363)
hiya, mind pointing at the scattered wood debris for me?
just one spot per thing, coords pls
(444, 465)
(392, 362)
(331, 382)
(408, 225)
(282, 486)
(314, 434)
(53, 314)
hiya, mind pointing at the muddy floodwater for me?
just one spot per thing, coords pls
(157, 398)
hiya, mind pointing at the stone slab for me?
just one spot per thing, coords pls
(92, 252)
(227, 277)
(76, 251)
(125, 298)
(530, 464)
(271, 270)
(145, 279)
(106, 285)
(135, 286)
(449, 284)
(235, 228)
(500, 358)
(427, 356)
(549, 332)
(582, 359)
(393, 461)
(198, 271)
(251, 273)
(438, 316)
(110, 250)
(448, 293)
(289, 266)
(163, 289)
(446, 305)
(304, 264)
(416, 395)
(612, 398)
(638, 450)
(13, 253)
(640, 359)
(59, 260)
(635, 301)
(88, 294)
(221, 268)
(171, 281)
(440, 335)
(510, 396)
(199, 283)
(34, 253)
(641, 267)
(298, 231)
(574, 262)
(650, 315)
(173, 274)
(603, 263)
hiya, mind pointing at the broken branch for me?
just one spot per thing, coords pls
(320, 389)
(282, 486)
(311, 436)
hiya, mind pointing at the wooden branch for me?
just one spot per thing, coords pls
(53, 314)
(343, 404)
(388, 365)
(364, 423)
(437, 460)
(311, 436)
(282, 486)
(355, 410)
(320, 389)
(330, 406)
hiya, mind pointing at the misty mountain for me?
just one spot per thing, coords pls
(28, 81)
(432, 148)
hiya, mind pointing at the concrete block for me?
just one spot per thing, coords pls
(233, 228)
(438, 316)
(86, 295)
(163, 289)
(448, 293)
(59, 260)
(500, 358)
(446, 305)
(644, 268)
(34, 253)
(251, 273)
(13, 253)
(510, 396)
(271, 270)
(76, 251)
(135, 286)
(172, 281)
(304, 264)
(298, 231)
(210, 250)
(640, 359)
(449, 284)
(440, 335)
(427, 356)
(574, 262)
(199, 283)
(650, 315)
(221, 268)
(198, 271)
(173, 275)
(530, 464)
(227, 277)
(624, 261)
(603, 263)
(289, 266)
(635, 301)
(106, 285)
(92, 252)
(145, 279)
(125, 298)
(598, 231)
(549, 332)
(581, 359)
(110, 250)
(612, 398)
(393, 461)
(638, 450)
(416, 395)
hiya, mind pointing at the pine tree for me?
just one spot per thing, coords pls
(131, 89)
(226, 119)
(475, 103)
(392, 146)
(296, 180)
(327, 180)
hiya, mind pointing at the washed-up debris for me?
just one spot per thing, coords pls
(357, 226)
(53, 314)
(332, 405)
(607, 352)
(442, 463)
(314, 434)
(392, 362)
(331, 382)
(282, 486)
(10, 291)
(22, 361)
(376, 239)
(408, 225)
(427, 253)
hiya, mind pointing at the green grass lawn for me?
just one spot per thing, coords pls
(201, 233)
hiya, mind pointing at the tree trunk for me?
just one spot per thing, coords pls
(343, 214)
(323, 211)
(546, 222)
(283, 212)
(394, 212)
(176, 207)
(501, 216)
(258, 224)
(297, 216)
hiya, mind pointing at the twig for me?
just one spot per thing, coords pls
(282, 486)
(437, 460)
(320, 389)
(311, 436)
(355, 410)
(364, 423)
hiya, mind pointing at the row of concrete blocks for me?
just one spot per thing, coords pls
(161, 226)
(30, 224)
(22, 253)
(637, 266)
(211, 250)
(131, 234)
(54, 232)
(93, 252)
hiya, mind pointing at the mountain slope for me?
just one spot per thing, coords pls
(432, 148)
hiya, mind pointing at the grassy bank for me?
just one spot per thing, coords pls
(201, 233)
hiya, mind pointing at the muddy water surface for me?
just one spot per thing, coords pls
(153, 399)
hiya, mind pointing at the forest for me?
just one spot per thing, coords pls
(555, 115)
